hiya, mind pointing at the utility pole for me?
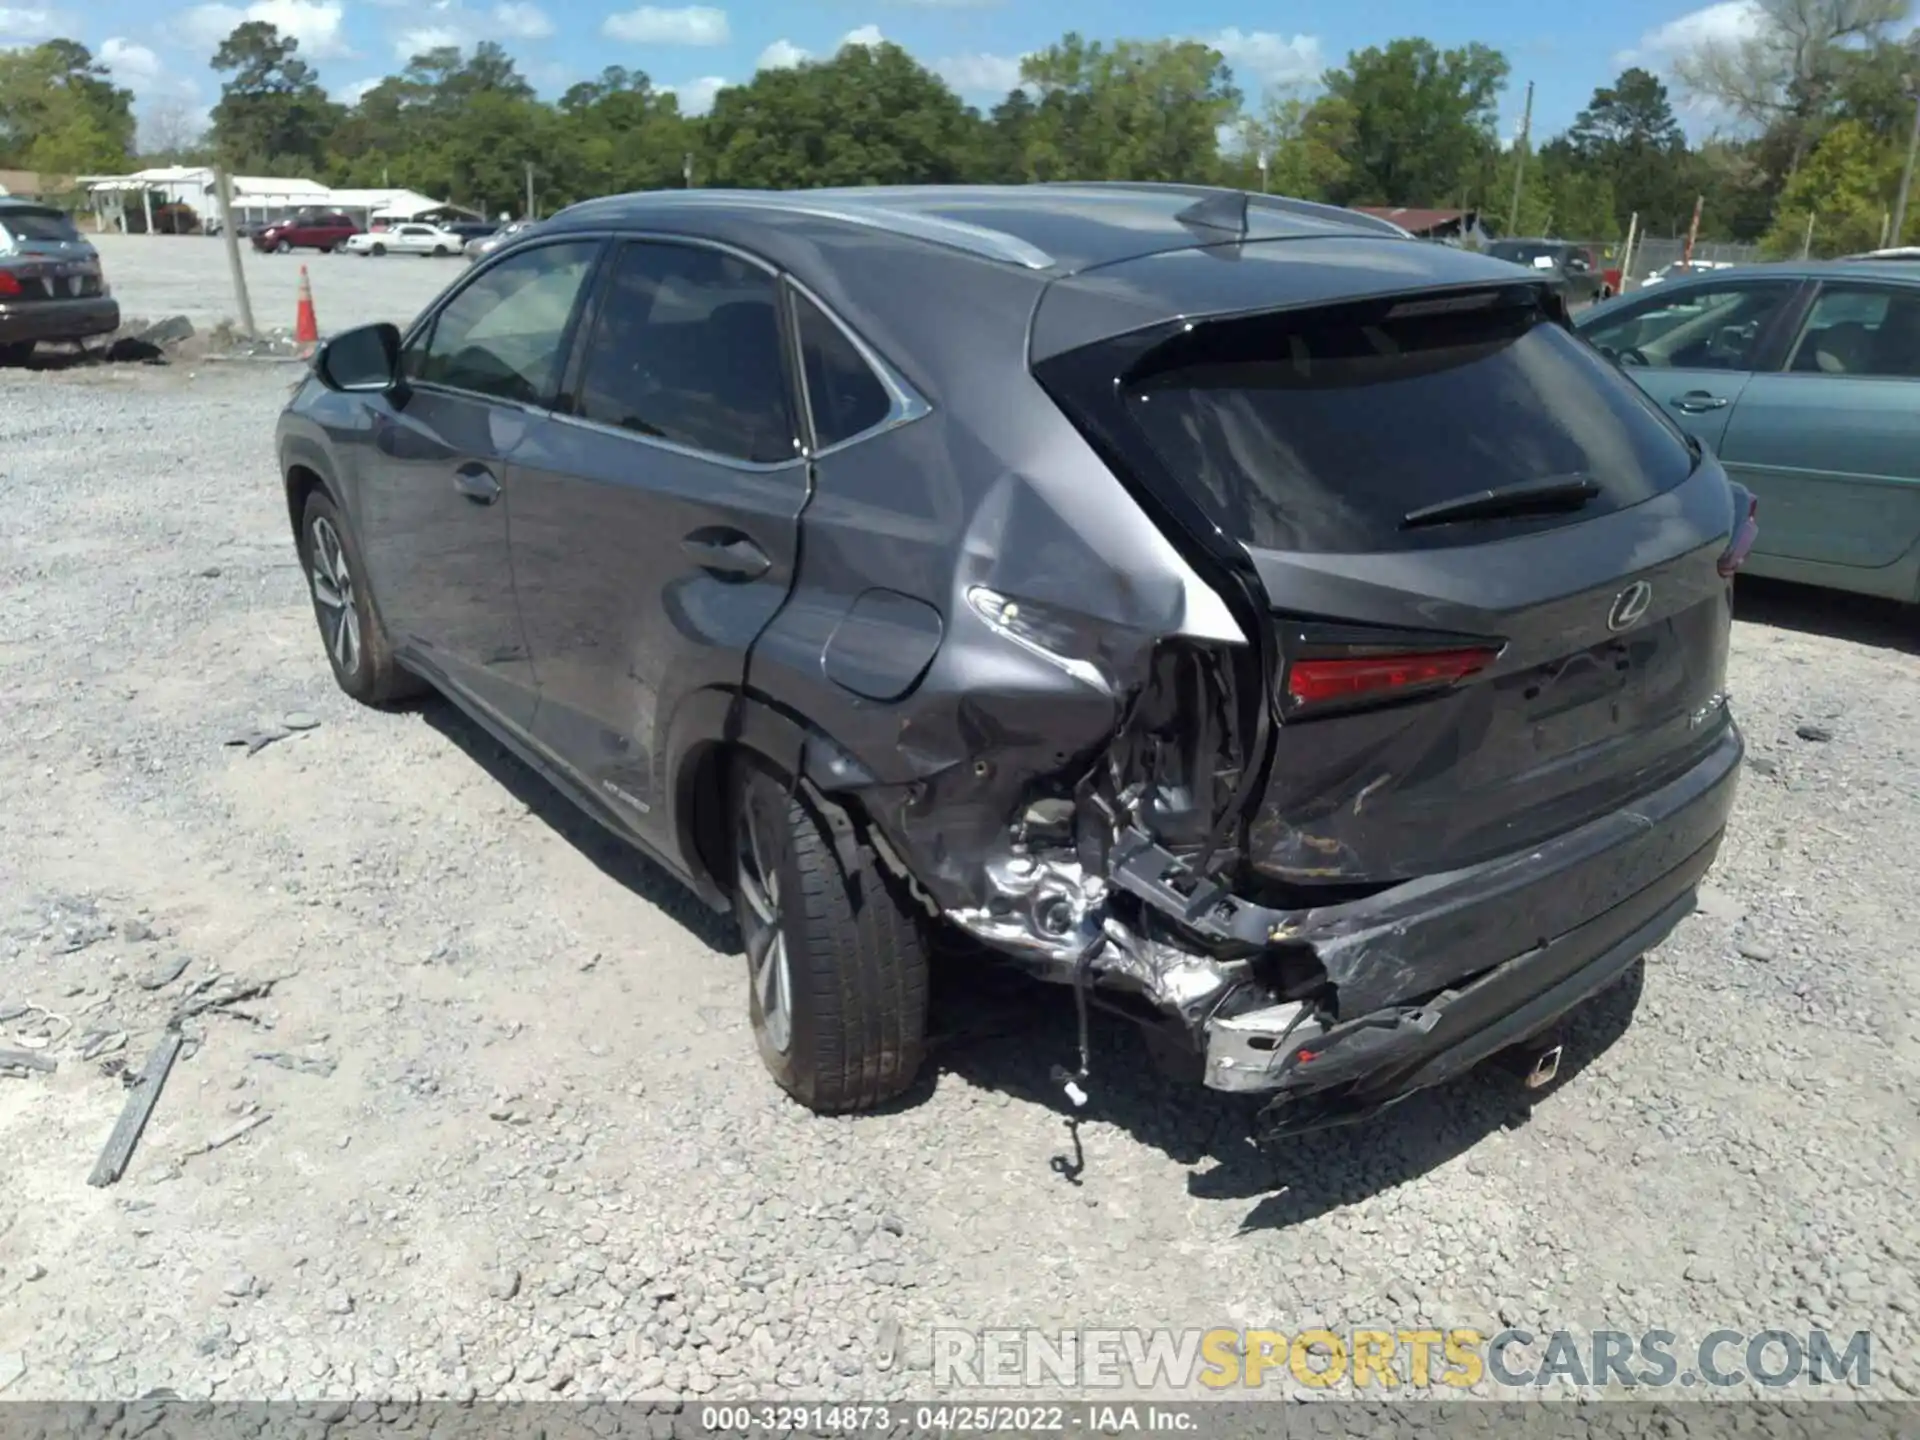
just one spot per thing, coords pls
(1626, 255)
(225, 195)
(686, 169)
(1262, 160)
(1520, 162)
(529, 214)
(1906, 175)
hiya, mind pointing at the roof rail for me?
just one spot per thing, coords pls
(1313, 209)
(860, 210)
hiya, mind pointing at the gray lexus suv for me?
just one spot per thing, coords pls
(1272, 627)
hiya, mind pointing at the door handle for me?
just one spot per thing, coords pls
(1695, 402)
(727, 552)
(476, 482)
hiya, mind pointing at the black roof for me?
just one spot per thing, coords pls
(1057, 228)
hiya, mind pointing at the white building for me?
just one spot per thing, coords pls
(256, 199)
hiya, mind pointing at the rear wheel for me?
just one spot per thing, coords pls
(356, 643)
(439, 252)
(836, 960)
(20, 352)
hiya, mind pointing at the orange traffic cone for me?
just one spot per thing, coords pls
(306, 329)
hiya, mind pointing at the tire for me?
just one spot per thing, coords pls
(285, 247)
(356, 644)
(19, 352)
(379, 249)
(439, 252)
(837, 964)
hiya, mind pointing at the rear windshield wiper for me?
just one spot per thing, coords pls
(1552, 492)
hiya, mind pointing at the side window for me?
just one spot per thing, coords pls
(843, 393)
(1692, 327)
(687, 348)
(1861, 330)
(501, 336)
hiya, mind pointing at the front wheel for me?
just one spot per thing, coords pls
(379, 249)
(285, 247)
(355, 640)
(836, 959)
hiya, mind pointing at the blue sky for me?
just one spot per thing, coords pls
(160, 49)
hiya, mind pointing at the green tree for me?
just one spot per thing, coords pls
(1306, 143)
(1423, 121)
(1628, 136)
(1135, 110)
(869, 116)
(1784, 72)
(272, 114)
(617, 133)
(1843, 188)
(60, 114)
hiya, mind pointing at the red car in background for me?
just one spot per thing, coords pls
(306, 232)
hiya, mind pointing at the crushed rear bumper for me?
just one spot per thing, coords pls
(1625, 879)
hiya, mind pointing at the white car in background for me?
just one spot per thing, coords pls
(1681, 268)
(411, 238)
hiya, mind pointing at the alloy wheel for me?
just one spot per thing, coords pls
(768, 967)
(333, 591)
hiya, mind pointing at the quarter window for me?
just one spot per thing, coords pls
(502, 335)
(1696, 327)
(1861, 330)
(845, 396)
(686, 348)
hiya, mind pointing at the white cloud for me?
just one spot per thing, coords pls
(651, 25)
(780, 55)
(1724, 23)
(132, 65)
(28, 23)
(696, 96)
(422, 38)
(979, 74)
(521, 21)
(865, 35)
(316, 24)
(947, 4)
(356, 92)
(1268, 59)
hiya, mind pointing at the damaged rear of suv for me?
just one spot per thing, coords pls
(1283, 632)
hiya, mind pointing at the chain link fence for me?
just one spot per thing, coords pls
(1650, 257)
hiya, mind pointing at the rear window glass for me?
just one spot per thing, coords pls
(1520, 253)
(38, 225)
(1321, 432)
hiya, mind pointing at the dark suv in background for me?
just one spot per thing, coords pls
(306, 232)
(1277, 629)
(51, 287)
(1576, 270)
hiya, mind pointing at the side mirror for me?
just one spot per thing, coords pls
(361, 361)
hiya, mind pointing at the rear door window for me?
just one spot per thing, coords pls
(687, 348)
(1324, 431)
(1861, 330)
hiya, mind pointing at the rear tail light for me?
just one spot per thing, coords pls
(1744, 533)
(9, 284)
(1348, 681)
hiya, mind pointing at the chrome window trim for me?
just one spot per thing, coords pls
(906, 404)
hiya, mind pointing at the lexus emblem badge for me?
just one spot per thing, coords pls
(1629, 605)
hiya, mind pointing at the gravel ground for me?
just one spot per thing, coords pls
(154, 276)
(512, 1138)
